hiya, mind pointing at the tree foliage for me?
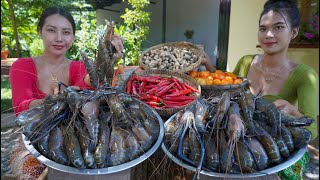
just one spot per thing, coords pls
(135, 29)
(27, 14)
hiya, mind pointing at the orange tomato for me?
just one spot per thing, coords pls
(221, 76)
(216, 81)
(193, 73)
(209, 81)
(218, 72)
(237, 81)
(232, 75)
(204, 74)
(215, 75)
(201, 81)
(210, 77)
(224, 81)
(229, 79)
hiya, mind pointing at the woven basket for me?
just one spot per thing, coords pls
(192, 47)
(182, 77)
(217, 90)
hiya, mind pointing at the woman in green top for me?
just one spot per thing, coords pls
(277, 77)
(273, 74)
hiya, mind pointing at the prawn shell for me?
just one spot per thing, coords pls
(56, 147)
(90, 111)
(72, 146)
(31, 115)
(225, 160)
(186, 146)
(91, 69)
(144, 138)
(270, 146)
(212, 156)
(118, 154)
(287, 138)
(86, 144)
(132, 147)
(201, 113)
(246, 163)
(301, 136)
(102, 151)
(273, 113)
(101, 60)
(195, 148)
(262, 159)
(43, 146)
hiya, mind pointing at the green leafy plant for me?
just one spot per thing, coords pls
(135, 30)
(4, 42)
(6, 95)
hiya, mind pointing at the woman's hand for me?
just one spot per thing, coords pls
(117, 42)
(115, 39)
(288, 108)
(36, 102)
(207, 63)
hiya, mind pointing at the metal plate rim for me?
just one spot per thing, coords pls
(293, 158)
(101, 171)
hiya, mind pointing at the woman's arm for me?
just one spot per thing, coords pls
(288, 108)
(23, 84)
(207, 63)
(79, 76)
(307, 98)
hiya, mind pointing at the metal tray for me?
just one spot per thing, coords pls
(101, 171)
(294, 157)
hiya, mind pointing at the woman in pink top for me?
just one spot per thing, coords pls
(33, 78)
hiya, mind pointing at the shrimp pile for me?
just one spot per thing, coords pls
(244, 134)
(91, 129)
(101, 69)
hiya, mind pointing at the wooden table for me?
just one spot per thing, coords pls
(6, 64)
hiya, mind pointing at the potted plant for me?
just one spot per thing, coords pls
(4, 47)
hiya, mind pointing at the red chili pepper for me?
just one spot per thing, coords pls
(159, 86)
(178, 84)
(182, 92)
(190, 87)
(150, 86)
(134, 90)
(164, 90)
(153, 103)
(172, 90)
(141, 89)
(179, 98)
(152, 79)
(129, 86)
(150, 97)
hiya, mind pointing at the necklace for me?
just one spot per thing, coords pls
(274, 75)
(54, 77)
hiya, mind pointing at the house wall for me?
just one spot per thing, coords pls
(244, 19)
(243, 36)
(202, 17)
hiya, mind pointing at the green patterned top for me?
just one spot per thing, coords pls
(300, 87)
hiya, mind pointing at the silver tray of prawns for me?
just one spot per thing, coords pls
(190, 143)
(125, 133)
